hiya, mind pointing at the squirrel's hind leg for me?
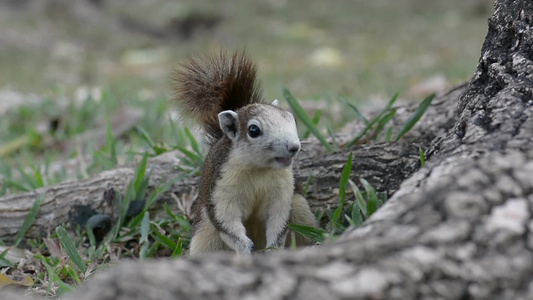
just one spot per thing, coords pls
(206, 238)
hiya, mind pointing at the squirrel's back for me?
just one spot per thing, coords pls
(208, 85)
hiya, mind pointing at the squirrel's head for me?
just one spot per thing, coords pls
(262, 135)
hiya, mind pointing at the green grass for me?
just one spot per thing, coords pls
(422, 154)
(137, 236)
(419, 112)
(374, 130)
(56, 275)
(345, 175)
(70, 248)
(369, 201)
(393, 45)
(381, 120)
(29, 220)
(59, 134)
(4, 262)
(365, 204)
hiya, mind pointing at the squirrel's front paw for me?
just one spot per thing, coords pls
(242, 245)
(248, 248)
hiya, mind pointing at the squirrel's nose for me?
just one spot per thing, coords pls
(293, 149)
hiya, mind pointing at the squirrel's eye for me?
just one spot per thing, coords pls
(254, 131)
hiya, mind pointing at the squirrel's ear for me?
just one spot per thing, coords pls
(275, 103)
(229, 123)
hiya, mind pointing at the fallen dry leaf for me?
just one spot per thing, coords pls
(54, 248)
(5, 281)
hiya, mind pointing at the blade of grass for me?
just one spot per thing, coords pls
(308, 122)
(14, 145)
(316, 234)
(184, 223)
(102, 161)
(16, 185)
(332, 136)
(358, 114)
(388, 137)
(356, 214)
(27, 178)
(151, 251)
(195, 158)
(111, 144)
(422, 154)
(54, 278)
(308, 183)
(140, 171)
(145, 135)
(143, 240)
(419, 112)
(3, 190)
(194, 143)
(136, 190)
(345, 176)
(145, 227)
(175, 134)
(350, 221)
(154, 196)
(359, 198)
(157, 150)
(372, 199)
(179, 248)
(73, 274)
(47, 162)
(69, 247)
(382, 198)
(316, 120)
(383, 122)
(181, 220)
(143, 188)
(122, 203)
(4, 262)
(160, 190)
(30, 218)
(371, 123)
(169, 212)
(92, 242)
(293, 240)
(39, 182)
(164, 240)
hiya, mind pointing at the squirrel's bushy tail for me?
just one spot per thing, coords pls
(208, 85)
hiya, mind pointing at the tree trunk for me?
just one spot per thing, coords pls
(460, 227)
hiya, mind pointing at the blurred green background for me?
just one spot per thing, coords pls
(354, 47)
(68, 65)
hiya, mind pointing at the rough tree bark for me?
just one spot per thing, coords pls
(459, 228)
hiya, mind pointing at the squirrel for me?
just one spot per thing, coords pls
(247, 192)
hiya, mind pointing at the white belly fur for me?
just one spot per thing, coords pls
(254, 196)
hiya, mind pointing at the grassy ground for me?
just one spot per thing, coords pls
(358, 48)
(86, 63)
(363, 50)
